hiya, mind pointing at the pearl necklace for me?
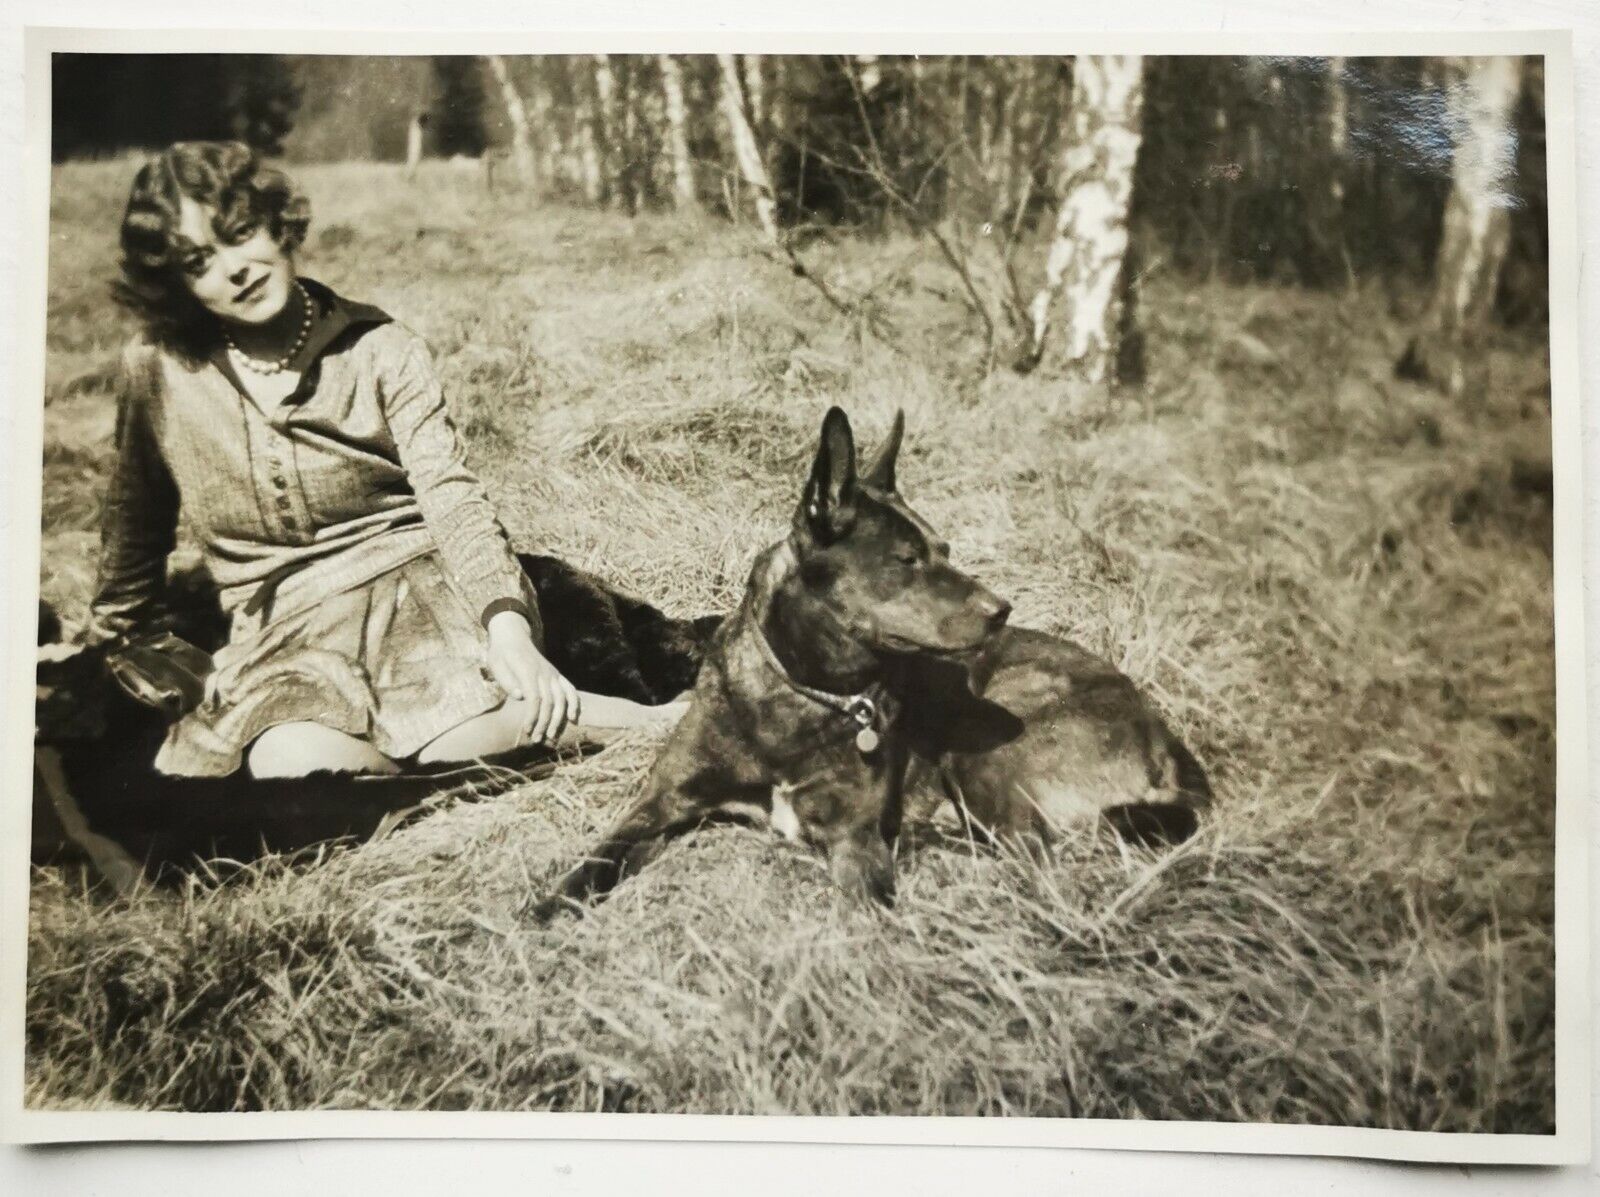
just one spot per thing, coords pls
(278, 365)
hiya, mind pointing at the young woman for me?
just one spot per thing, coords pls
(378, 613)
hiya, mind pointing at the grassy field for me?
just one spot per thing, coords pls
(1336, 586)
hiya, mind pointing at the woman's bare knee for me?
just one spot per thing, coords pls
(299, 749)
(488, 734)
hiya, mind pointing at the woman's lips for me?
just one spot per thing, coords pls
(251, 291)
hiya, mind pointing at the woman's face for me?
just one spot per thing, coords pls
(240, 275)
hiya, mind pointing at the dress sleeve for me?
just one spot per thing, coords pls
(472, 542)
(139, 521)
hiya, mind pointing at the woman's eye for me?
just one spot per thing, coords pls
(243, 231)
(195, 264)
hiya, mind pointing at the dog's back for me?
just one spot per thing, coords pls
(1088, 744)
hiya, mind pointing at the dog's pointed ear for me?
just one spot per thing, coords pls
(828, 507)
(881, 472)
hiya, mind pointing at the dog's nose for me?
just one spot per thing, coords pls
(996, 614)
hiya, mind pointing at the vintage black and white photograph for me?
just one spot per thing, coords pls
(798, 584)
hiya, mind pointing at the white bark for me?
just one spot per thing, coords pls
(628, 141)
(1338, 127)
(542, 119)
(1481, 96)
(1101, 146)
(517, 114)
(868, 71)
(751, 168)
(683, 192)
(755, 90)
(414, 144)
(600, 149)
(589, 163)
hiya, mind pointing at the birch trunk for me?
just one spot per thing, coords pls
(589, 163)
(751, 168)
(869, 72)
(629, 157)
(414, 143)
(683, 192)
(1481, 97)
(1338, 127)
(1086, 263)
(600, 165)
(547, 139)
(517, 114)
(755, 92)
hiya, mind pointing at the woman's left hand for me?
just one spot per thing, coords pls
(523, 672)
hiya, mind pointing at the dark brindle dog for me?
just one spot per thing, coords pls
(859, 650)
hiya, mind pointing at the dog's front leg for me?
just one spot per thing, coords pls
(702, 767)
(638, 836)
(629, 844)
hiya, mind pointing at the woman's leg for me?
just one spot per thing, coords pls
(299, 749)
(500, 730)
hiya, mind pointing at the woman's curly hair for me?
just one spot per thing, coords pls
(227, 176)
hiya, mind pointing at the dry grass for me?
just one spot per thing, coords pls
(1331, 582)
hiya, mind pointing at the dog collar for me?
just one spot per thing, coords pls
(865, 708)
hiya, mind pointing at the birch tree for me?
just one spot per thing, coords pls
(869, 72)
(414, 142)
(752, 170)
(1338, 127)
(683, 192)
(1481, 95)
(522, 160)
(629, 165)
(547, 137)
(588, 163)
(755, 93)
(1085, 268)
(599, 165)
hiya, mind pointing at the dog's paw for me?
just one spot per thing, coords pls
(1154, 824)
(554, 907)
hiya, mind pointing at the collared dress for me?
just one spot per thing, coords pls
(357, 556)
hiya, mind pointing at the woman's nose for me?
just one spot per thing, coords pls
(235, 265)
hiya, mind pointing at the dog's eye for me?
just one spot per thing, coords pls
(907, 557)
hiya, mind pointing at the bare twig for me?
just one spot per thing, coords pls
(858, 309)
(874, 170)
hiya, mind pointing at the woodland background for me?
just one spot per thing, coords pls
(1307, 171)
(1276, 442)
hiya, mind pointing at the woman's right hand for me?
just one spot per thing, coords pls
(527, 677)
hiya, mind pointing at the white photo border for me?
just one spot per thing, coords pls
(1570, 1142)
